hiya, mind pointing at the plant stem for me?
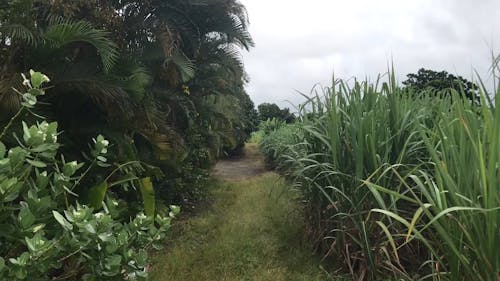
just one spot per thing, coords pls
(6, 128)
(83, 175)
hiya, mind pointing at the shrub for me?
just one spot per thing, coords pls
(48, 231)
(278, 143)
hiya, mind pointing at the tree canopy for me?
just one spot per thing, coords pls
(426, 80)
(164, 80)
(268, 111)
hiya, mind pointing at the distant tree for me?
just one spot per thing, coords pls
(426, 79)
(269, 111)
(287, 116)
(250, 115)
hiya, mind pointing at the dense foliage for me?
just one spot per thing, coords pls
(269, 111)
(154, 77)
(396, 186)
(161, 85)
(441, 84)
(49, 232)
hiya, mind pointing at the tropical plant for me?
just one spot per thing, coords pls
(48, 233)
(387, 185)
(457, 208)
(149, 77)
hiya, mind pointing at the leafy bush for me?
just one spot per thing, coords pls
(280, 142)
(48, 231)
(271, 125)
(147, 81)
(257, 137)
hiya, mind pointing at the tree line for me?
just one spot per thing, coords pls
(164, 81)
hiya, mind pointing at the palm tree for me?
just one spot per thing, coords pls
(149, 74)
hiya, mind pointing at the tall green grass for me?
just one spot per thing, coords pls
(458, 214)
(396, 185)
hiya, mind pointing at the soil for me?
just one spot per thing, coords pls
(251, 164)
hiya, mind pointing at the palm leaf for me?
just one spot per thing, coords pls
(19, 32)
(62, 34)
(184, 65)
(10, 100)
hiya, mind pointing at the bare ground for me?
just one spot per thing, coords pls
(241, 168)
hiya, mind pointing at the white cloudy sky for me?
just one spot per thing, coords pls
(301, 43)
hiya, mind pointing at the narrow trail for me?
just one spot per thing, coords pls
(251, 165)
(252, 231)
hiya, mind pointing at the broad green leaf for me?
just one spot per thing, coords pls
(42, 180)
(12, 189)
(2, 264)
(37, 243)
(148, 196)
(2, 150)
(141, 258)
(175, 210)
(62, 221)
(96, 195)
(114, 260)
(4, 162)
(70, 168)
(37, 78)
(35, 92)
(102, 158)
(36, 163)
(26, 217)
(26, 132)
(17, 156)
(90, 228)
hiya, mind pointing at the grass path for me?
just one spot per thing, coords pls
(252, 231)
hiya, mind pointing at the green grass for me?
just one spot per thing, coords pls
(397, 186)
(253, 231)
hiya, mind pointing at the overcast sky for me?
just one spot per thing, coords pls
(301, 43)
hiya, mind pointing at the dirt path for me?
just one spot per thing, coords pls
(253, 231)
(240, 168)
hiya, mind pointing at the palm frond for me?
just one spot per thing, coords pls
(18, 32)
(106, 91)
(238, 34)
(10, 101)
(185, 66)
(62, 34)
(132, 77)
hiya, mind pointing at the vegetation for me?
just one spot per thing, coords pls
(269, 111)
(441, 83)
(251, 231)
(155, 78)
(145, 96)
(46, 233)
(147, 84)
(396, 186)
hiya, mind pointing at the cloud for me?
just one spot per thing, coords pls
(299, 44)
